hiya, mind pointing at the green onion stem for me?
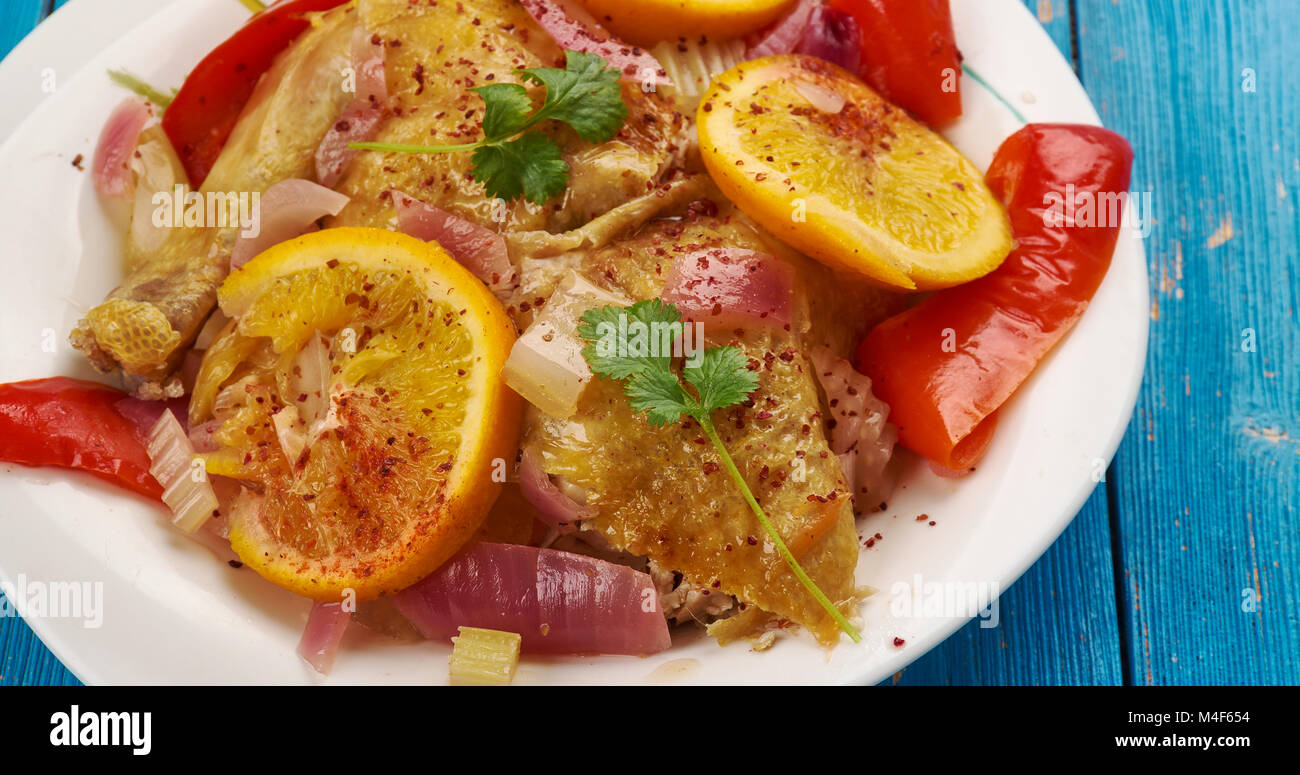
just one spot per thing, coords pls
(784, 550)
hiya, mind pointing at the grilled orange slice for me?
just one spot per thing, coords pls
(358, 399)
(825, 163)
(646, 22)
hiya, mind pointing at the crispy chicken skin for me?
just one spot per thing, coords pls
(629, 210)
(434, 54)
(656, 494)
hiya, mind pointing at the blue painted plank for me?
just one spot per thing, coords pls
(1058, 623)
(18, 19)
(1054, 15)
(1207, 493)
(24, 660)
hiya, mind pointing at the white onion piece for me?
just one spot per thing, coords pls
(825, 100)
(556, 508)
(858, 430)
(289, 430)
(546, 366)
(286, 210)
(111, 165)
(172, 461)
(692, 65)
(310, 380)
(573, 28)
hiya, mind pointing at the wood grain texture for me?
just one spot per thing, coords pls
(1207, 477)
(1058, 623)
(1204, 489)
(24, 660)
(16, 20)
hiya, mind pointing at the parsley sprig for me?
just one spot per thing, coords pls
(720, 379)
(516, 159)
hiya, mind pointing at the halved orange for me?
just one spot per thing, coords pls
(823, 162)
(359, 401)
(646, 22)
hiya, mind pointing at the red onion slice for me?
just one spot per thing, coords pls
(832, 34)
(144, 415)
(560, 603)
(575, 29)
(732, 288)
(557, 509)
(783, 35)
(111, 166)
(480, 250)
(320, 638)
(288, 209)
(360, 121)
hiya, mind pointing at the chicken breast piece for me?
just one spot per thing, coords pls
(660, 492)
(434, 54)
(148, 322)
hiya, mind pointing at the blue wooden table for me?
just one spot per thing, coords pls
(1182, 567)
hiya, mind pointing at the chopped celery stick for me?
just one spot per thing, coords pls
(484, 657)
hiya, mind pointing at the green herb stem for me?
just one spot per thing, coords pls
(253, 5)
(127, 81)
(400, 148)
(786, 554)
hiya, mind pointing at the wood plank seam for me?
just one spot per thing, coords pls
(1117, 572)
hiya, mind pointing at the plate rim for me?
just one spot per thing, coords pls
(76, 659)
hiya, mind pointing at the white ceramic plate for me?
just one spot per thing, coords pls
(173, 613)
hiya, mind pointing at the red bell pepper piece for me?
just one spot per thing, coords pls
(72, 423)
(944, 398)
(909, 55)
(203, 113)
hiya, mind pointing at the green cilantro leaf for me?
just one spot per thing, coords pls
(530, 167)
(642, 329)
(515, 158)
(585, 95)
(506, 109)
(660, 396)
(721, 378)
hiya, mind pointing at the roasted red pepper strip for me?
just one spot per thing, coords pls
(72, 423)
(203, 113)
(947, 365)
(909, 55)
